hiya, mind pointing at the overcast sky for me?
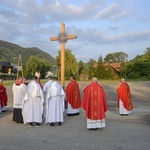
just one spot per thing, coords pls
(101, 26)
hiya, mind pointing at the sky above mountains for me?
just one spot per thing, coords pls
(101, 26)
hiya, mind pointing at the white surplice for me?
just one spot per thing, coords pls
(46, 86)
(19, 92)
(55, 103)
(93, 124)
(71, 111)
(32, 110)
(122, 110)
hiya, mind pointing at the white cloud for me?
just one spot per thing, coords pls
(98, 25)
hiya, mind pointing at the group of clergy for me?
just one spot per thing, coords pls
(32, 102)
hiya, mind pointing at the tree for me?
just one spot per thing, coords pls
(147, 51)
(35, 65)
(139, 67)
(115, 57)
(81, 67)
(91, 68)
(71, 64)
(109, 73)
(100, 71)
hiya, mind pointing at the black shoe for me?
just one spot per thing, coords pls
(124, 114)
(3, 110)
(72, 114)
(93, 128)
(52, 124)
(59, 123)
(37, 124)
(30, 124)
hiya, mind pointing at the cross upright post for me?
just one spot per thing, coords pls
(62, 38)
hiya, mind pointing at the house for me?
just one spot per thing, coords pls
(7, 71)
(84, 77)
(6, 67)
(115, 67)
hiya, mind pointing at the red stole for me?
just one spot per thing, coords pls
(73, 94)
(94, 102)
(40, 84)
(124, 95)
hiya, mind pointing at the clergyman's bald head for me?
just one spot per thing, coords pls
(122, 80)
(94, 79)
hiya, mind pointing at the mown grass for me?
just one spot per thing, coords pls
(10, 82)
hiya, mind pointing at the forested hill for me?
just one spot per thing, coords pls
(9, 52)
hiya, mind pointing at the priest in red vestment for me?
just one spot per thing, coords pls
(95, 105)
(124, 101)
(73, 97)
(3, 97)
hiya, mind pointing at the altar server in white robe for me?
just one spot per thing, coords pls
(46, 86)
(19, 91)
(33, 103)
(55, 104)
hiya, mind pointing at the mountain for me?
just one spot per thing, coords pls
(9, 52)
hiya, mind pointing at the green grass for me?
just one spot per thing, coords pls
(10, 82)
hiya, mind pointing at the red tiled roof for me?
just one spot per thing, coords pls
(114, 65)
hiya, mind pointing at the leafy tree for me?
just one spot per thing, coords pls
(147, 51)
(71, 64)
(140, 70)
(109, 73)
(91, 68)
(81, 67)
(137, 68)
(115, 57)
(35, 65)
(100, 71)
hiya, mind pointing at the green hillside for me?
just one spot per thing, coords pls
(9, 52)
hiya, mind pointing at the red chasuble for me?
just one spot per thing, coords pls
(73, 94)
(94, 102)
(124, 95)
(3, 96)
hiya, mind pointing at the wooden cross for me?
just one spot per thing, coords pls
(62, 38)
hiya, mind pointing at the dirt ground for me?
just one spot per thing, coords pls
(130, 132)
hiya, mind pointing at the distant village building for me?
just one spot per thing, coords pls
(84, 77)
(6, 67)
(7, 71)
(115, 67)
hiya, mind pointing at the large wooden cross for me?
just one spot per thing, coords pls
(62, 38)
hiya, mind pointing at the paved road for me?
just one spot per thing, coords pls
(121, 133)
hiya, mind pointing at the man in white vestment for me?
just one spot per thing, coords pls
(46, 86)
(55, 104)
(33, 103)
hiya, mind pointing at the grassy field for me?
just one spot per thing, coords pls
(10, 82)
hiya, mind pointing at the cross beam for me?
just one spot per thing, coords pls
(62, 38)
